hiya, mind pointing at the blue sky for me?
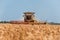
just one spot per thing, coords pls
(44, 9)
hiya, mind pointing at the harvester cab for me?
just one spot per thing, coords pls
(29, 16)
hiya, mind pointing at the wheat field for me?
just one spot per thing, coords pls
(29, 32)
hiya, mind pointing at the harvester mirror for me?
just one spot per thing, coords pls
(29, 16)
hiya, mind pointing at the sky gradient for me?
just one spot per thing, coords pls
(44, 9)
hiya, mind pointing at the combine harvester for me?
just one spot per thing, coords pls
(29, 18)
